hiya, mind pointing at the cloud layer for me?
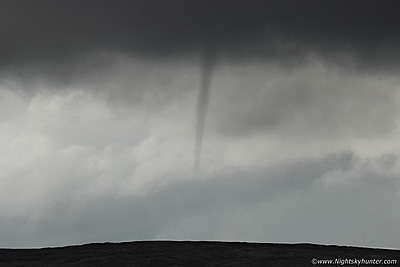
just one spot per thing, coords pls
(98, 115)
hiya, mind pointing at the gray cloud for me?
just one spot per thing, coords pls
(318, 99)
(266, 204)
(76, 168)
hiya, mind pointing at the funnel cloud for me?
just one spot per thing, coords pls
(208, 68)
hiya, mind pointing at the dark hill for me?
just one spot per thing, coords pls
(175, 253)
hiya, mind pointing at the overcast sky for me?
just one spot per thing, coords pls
(98, 108)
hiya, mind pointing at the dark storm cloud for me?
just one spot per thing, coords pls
(44, 30)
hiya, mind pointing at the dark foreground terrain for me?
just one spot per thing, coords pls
(174, 253)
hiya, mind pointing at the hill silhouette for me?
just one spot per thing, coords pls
(199, 253)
